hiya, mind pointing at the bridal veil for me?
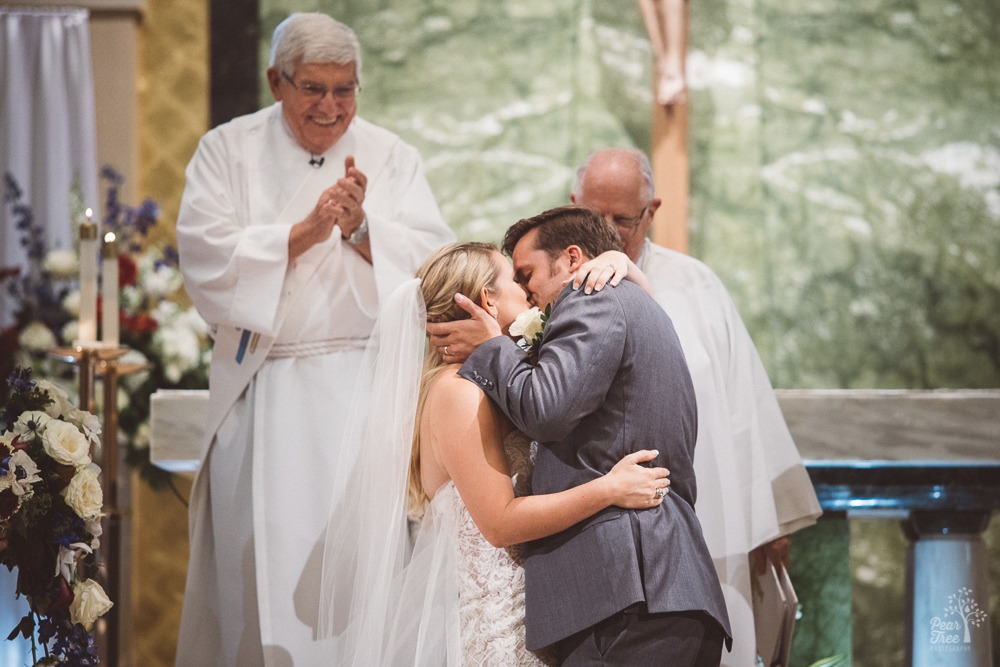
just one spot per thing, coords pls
(385, 602)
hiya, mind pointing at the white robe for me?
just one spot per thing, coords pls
(273, 455)
(752, 486)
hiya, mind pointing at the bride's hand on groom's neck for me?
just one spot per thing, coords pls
(458, 339)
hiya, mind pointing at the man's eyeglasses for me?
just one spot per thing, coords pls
(313, 91)
(629, 223)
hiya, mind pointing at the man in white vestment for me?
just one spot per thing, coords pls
(296, 222)
(753, 490)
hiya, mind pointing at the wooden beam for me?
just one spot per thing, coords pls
(670, 173)
(670, 142)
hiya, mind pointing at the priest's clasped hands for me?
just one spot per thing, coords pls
(340, 205)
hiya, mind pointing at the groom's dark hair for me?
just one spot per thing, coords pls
(559, 228)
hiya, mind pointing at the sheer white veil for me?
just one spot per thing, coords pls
(367, 542)
(384, 607)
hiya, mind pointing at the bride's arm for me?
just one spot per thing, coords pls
(609, 268)
(467, 439)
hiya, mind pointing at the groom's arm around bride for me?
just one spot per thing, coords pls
(626, 586)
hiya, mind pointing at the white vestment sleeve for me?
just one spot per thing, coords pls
(234, 271)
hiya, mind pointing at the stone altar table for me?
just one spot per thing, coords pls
(933, 459)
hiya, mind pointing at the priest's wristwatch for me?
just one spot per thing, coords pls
(359, 235)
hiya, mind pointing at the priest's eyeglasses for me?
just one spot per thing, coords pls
(629, 223)
(316, 92)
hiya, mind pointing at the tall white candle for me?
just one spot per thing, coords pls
(109, 290)
(88, 280)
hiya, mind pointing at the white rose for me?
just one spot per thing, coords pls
(31, 424)
(64, 443)
(71, 331)
(528, 324)
(83, 494)
(60, 404)
(36, 337)
(62, 263)
(71, 303)
(90, 602)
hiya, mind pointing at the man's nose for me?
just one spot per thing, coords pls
(328, 102)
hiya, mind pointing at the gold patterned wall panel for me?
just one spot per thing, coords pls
(173, 91)
(173, 86)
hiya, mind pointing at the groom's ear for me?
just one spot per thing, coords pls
(575, 256)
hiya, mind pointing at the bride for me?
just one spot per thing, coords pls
(460, 598)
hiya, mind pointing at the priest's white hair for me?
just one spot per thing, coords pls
(315, 38)
(642, 162)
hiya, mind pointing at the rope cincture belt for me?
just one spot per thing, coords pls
(316, 347)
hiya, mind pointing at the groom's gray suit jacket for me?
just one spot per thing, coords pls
(610, 379)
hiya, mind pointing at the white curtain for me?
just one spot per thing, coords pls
(48, 144)
(47, 130)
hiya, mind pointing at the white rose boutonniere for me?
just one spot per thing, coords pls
(529, 325)
(90, 602)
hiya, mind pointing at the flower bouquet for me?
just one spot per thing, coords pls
(166, 335)
(50, 518)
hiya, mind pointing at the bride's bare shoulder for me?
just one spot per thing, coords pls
(453, 402)
(449, 392)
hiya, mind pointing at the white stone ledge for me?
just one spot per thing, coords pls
(880, 427)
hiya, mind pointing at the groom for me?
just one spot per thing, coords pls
(626, 587)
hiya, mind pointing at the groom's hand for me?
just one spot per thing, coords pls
(455, 341)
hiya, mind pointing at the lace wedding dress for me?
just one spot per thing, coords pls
(490, 579)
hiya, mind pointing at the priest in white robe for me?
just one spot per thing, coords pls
(753, 490)
(296, 222)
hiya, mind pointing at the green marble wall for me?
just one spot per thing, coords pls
(845, 184)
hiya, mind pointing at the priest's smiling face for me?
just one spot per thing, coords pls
(318, 100)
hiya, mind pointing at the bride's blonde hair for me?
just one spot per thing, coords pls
(457, 268)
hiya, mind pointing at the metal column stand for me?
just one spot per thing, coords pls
(113, 562)
(948, 589)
